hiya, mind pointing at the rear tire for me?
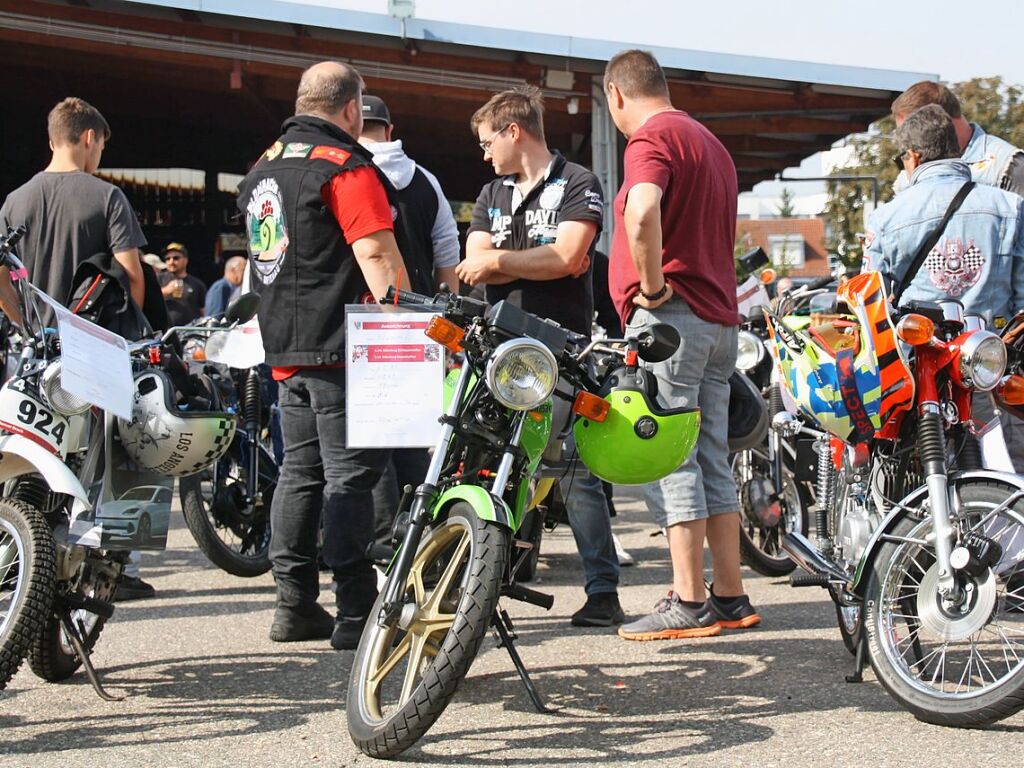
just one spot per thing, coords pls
(28, 575)
(465, 558)
(760, 545)
(240, 546)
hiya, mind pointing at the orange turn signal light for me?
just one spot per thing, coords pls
(199, 355)
(446, 333)
(915, 329)
(1011, 390)
(767, 276)
(591, 407)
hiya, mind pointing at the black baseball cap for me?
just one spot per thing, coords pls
(374, 108)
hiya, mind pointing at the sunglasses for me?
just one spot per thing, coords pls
(173, 258)
(898, 160)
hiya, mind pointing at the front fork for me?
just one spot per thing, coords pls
(932, 450)
(426, 493)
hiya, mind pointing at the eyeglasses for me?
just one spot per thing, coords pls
(486, 145)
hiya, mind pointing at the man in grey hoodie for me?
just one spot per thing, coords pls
(425, 227)
(429, 243)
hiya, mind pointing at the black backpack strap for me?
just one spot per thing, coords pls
(929, 242)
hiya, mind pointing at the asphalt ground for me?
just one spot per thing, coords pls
(204, 686)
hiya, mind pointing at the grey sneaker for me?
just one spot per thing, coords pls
(672, 620)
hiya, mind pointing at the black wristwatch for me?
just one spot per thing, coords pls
(657, 294)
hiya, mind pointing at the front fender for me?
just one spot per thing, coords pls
(909, 502)
(21, 456)
(486, 505)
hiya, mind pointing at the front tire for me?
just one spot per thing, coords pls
(405, 674)
(960, 667)
(28, 575)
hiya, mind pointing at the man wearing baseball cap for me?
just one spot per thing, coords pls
(185, 294)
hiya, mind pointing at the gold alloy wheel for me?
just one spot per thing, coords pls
(433, 589)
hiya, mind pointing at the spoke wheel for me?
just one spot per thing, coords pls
(761, 543)
(233, 535)
(28, 573)
(405, 673)
(958, 663)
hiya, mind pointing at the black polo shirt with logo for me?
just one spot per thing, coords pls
(569, 192)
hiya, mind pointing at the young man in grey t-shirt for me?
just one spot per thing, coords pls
(70, 214)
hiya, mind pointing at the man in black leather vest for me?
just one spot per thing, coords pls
(320, 237)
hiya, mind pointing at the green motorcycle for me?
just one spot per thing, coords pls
(457, 554)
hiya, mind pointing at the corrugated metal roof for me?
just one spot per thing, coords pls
(565, 46)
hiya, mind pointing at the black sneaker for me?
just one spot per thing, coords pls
(293, 624)
(600, 610)
(736, 613)
(133, 588)
(346, 634)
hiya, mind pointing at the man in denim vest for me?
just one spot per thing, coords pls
(992, 160)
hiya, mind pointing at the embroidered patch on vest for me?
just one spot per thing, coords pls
(954, 268)
(296, 150)
(330, 154)
(273, 151)
(268, 235)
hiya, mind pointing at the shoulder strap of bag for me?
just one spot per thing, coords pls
(930, 241)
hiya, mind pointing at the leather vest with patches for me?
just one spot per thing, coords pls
(301, 265)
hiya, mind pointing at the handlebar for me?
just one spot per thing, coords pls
(821, 282)
(12, 237)
(399, 296)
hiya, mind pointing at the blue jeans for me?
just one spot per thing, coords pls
(587, 509)
(320, 472)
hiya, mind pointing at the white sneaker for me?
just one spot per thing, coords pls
(625, 559)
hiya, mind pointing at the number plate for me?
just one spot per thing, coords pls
(25, 414)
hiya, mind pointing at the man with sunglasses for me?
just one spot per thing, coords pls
(531, 242)
(185, 294)
(979, 257)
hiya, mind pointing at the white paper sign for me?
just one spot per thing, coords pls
(96, 363)
(750, 295)
(394, 379)
(241, 347)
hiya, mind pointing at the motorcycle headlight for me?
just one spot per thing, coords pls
(55, 396)
(522, 374)
(982, 360)
(749, 352)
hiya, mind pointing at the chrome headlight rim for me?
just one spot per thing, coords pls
(748, 359)
(58, 398)
(503, 354)
(973, 348)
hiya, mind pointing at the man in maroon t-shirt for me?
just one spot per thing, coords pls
(672, 262)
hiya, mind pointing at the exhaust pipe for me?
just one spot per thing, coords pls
(810, 558)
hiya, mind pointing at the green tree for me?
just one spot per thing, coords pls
(786, 203)
(997, 107)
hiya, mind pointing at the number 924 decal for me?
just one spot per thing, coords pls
(24, 414)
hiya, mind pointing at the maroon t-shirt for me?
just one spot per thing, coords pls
(698, 216)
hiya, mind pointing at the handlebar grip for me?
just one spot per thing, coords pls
(405, 297)
(821, 282)
(12, 237)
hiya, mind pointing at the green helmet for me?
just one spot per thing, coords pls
(638, 442)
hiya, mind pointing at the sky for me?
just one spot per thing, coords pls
(932, 37)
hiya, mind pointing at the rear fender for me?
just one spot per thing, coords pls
(912, 502)
(21, 456)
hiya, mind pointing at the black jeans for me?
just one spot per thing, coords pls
(320, 472)
(408, 466)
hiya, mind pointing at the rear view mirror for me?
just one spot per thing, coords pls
(657, 343)
(243, 309)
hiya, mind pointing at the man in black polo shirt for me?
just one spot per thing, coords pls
(531, 240)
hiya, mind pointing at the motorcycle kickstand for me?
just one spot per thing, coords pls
(503, 626)
(859, 662)
(75, 638)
